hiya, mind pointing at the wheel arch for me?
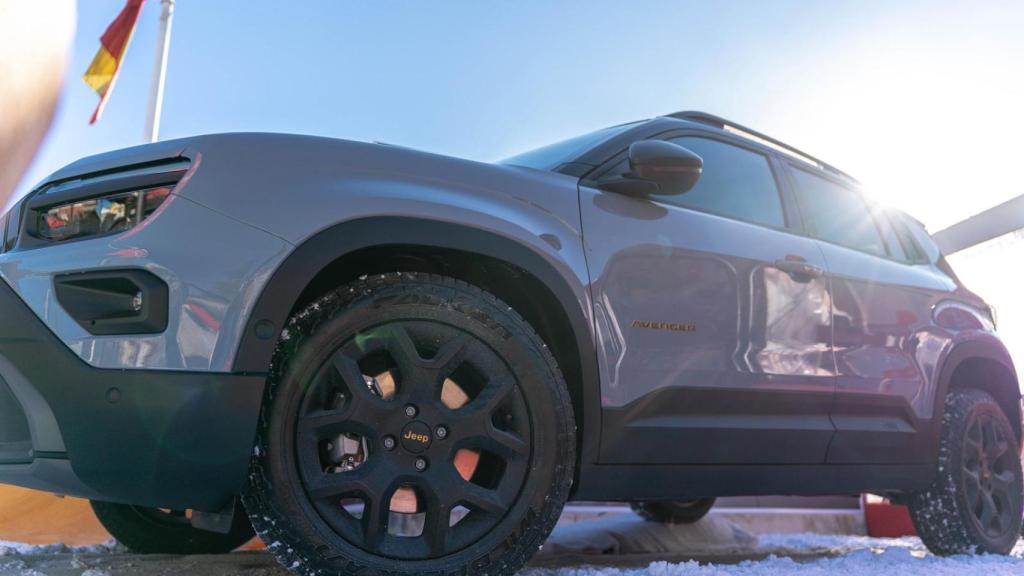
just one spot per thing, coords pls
(512, 271)
(986, 366)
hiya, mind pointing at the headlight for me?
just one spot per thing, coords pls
(93, 205)
(103, 215)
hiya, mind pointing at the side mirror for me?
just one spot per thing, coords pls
(657, 167)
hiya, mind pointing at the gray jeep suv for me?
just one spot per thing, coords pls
(399, 362)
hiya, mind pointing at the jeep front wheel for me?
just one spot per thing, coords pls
(412, 424)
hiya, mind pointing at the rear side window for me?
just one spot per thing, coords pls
(837, 214)
(736, 183)
(893, 243)
(924, 247)
(911, 249)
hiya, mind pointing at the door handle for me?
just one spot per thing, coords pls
(798, 268)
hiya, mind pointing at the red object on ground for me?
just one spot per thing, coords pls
(887, 520)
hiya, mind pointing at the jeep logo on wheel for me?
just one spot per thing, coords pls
(416, 437)
(422, 438)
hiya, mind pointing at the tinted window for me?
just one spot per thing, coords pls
(836, 213)
(892, 241)
(736, 183)
(921, 247)
(910, 249)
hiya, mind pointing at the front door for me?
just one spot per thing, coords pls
(713, 320)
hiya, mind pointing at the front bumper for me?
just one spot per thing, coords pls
(153, 438)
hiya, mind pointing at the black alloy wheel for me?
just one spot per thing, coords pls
(414, 439)
(412, 424)
(990, 469)
(976, 502)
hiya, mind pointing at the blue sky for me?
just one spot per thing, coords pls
(921, 100)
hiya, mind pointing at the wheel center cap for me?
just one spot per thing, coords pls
(415, 437)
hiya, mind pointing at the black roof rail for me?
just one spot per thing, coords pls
(722, 123)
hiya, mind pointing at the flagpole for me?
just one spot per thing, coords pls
(156, 87)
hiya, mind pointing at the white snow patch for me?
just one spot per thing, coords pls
(846, 556)
(827, 544)
(19, 549)
(849, 556)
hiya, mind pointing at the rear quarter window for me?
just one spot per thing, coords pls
(926, 247)
(837, 214)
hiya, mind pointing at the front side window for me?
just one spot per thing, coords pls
(837, 214)
(735, 183)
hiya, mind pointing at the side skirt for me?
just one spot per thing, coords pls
(639, 483)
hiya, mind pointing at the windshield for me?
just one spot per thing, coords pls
(554, 155)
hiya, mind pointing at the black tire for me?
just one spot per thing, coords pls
(682, 512)
(155, 531)
(322, 514)
(976, 503)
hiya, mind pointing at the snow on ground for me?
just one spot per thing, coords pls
(787, 555)
(19, 549)
(890, 562)
(821, 555)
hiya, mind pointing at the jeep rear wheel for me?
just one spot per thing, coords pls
(680, 512)
(412, 424)
(976, 503)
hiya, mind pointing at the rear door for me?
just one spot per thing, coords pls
(713, 318)
(882, 296)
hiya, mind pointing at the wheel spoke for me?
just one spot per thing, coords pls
(974, 440)
(375, 521)
(988, 510)
(504, 444)
(357, 413)
(988, 437)
(997, 448)
(322, 423)
(348, 369)
(482, 499)
(436, 519)
(450, 355)
(976, 448)
(402, 349)
(492, 396)
(973, 491)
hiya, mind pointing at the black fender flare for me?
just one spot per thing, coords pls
(973, 350)
(285, 285)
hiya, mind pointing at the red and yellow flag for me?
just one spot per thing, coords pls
(102, 73)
